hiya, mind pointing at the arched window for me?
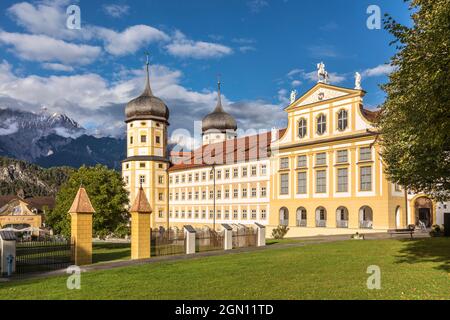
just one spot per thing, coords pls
(397, 217)
(342, 217)
(321, 217)
(302, 128)
(301, 217)
(284, 216)
(321, 124)
(342, 120)
(366, 217)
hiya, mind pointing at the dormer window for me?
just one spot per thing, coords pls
(302, 128)
(342, 120)
(321, 124)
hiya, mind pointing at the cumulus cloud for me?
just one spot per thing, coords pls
(130, 40)
(296, 74)
(256, 6)
(116, 10)
(380, 70)
(183, 47)
(57, 67)
(44, 48)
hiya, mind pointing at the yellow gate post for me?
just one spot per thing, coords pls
(140, 227)
(81, 213)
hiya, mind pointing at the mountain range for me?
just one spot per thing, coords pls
(51, 140)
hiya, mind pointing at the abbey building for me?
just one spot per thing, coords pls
(321, 175)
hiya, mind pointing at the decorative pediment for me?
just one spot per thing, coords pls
(322, 92)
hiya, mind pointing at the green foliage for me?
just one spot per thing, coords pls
(415, 119)
(32, 179)
(280, 232)
(437, 231)
(106, 191)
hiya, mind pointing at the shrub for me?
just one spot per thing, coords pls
(280, 232)
(436, 231)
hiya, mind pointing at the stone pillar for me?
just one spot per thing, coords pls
(81, 213)
(140, 227)
(189, 233)
(7, 253)
(228, 239)
(261, 235)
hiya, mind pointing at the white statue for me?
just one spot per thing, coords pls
(293, 96)
(322, 74)
(358, 81)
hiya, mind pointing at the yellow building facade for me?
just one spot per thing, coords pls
(323, 174)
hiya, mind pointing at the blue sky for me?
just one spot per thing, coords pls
(262, 48)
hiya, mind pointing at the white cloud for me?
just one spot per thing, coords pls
(9, 127)
(116, 10)
(186, 48)
(334, 77)
(296, 83)
(245, 49)
(380, 70)
(257, 5)
(57, 67)
(44, 48)
(322, 51)
(130, 40)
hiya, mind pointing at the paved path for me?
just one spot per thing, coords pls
(299, 242)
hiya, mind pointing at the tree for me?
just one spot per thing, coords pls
(415, 119)
(106, 191)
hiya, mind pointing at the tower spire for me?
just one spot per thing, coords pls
(219, 107)
(148, 89)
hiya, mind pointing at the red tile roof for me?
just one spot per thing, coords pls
(243, 149)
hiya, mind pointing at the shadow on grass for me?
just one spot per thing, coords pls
(436, 250)
(104, 252)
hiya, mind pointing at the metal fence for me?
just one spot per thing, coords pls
(244, 237)
(167, 242)
(41, 256)
(209, 240)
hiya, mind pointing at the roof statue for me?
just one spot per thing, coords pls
(322, 74)
(358, 81)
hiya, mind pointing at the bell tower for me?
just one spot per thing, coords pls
(147, 160)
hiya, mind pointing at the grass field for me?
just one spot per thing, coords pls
(410, 269)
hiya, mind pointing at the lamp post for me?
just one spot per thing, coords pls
(213, 171)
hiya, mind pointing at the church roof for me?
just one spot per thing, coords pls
(146, 106)
(219, 119)
(256, 147)
(141, 204)
(81, 203)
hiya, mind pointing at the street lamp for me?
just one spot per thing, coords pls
(213, 171)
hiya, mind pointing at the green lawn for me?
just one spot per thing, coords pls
(411, 269)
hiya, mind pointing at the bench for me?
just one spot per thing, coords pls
(409, 231)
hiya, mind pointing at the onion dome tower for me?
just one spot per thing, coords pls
(147, 159)
(219, 125)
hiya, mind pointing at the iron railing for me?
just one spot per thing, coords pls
(41, 256)
(209, 240)
(167, 242)
(342, 223)
(321, 223)
(244, 237)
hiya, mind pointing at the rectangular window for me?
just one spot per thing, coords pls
(197, 177)
(235, 193)
(190, 177)
(203, 195)
(253, 214)
(177, 179)
(160, 179)
(263, 192)
(190, 196)
(284, 163)
(235, 214)
(131, 140)
(321, 181)
(284, 184)
(227, 194)
(227, 173)
(211, 194)
(196, 195)
(203, 176)
(244, 171)
(253, 192)
(244, 193)
(142, 179)
(176, 196)
(321, 159)
(160, 196)
(301, 183)
(244, 214)
(365, 178)
(183, 178)
(342, 156)
(158, 139)
(219, 174)
(263, 214)
(301, 162)
(263, 170)
(365, 154)
(142, 165)
(235, 173)
(227, 214)
(342, 180)
(143, 139)
(253, 171)
(219, 194)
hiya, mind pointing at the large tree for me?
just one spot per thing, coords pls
(106, 191)
(415, 118)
